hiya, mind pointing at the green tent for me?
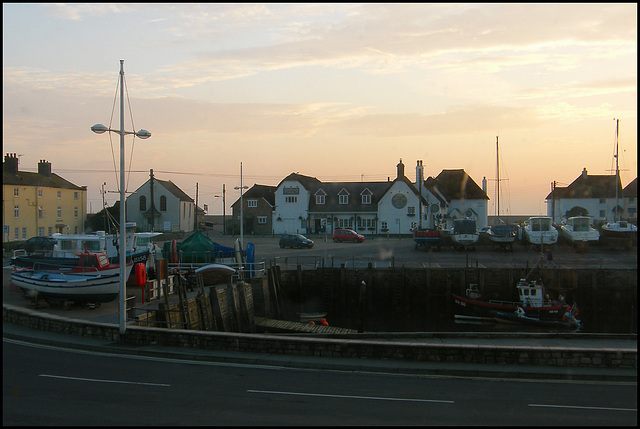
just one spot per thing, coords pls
(198, 248)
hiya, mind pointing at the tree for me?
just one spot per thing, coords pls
(577, 211)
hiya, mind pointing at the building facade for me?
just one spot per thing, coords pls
(160, 206)
(39, 203)
(257, 211)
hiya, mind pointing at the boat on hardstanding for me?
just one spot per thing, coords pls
(501, 234)
(464, 233)
(540, 230)
(532, 298)
(578, 230)
(619, 231)
(94, 280)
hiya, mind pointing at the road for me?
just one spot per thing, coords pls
(44, 385)
(382, 252)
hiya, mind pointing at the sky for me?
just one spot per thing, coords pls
(340, 92)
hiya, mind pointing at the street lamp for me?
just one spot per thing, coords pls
(242, 188)
(143, 134)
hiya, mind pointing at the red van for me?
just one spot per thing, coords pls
(345, 234)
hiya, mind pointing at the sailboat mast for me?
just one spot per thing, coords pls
(498, 179)
(615, 213)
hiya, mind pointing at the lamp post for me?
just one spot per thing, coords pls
(143, 134)
(242, 188)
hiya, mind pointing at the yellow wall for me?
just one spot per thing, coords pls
(73, 204)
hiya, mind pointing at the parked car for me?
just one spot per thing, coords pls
(345, 234)
(295, 240)
(38, 243)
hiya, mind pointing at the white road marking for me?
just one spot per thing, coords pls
(583, 408)
(102, 381)
(349, 396)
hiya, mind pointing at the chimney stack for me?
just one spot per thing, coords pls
(400, 169)
(10, 163)
(44, 168)
(584, 173)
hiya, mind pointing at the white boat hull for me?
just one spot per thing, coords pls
(465, 239)
(69, 287)
(579, 236)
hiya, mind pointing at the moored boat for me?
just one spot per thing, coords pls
(568, 321)
(465, 233)
(532, 296)
(501, 234)
(578, 229)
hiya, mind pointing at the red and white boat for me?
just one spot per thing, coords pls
(532, 299)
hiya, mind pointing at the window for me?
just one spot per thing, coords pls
(383, 225)
(75, 195)
(320, 199)
(411, 211)
(602, 213)
(262, 220)
(17, 233)
(290, 199)
(39, 193)
(252, 203)
(59, 194)
(16, 211)
(40, 214)
(343, 199)
(75, 212)
(24, 233)
(59, 212)
(16, 192)
(366, 199)
(50, 230)
(41, 230)
(143, 203)
(75, 229)
(163, 203)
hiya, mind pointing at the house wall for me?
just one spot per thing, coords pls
(600, 209)
(393, 209)
(251, 216)
(29, 223)
(180, 214)
(291, 217)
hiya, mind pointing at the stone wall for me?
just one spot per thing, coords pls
(325, 347)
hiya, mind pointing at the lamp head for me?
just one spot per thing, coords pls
(99, 129)
(143, 134)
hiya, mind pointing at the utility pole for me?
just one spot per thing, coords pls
(195, 211)
(224, 216)
(152, 206)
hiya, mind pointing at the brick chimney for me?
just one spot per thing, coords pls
(10, 163)
(400, 169)
(584, 173)
(44, 168)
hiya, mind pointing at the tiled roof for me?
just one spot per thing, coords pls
(631, 190)
(355, 191)
(306, 181)
(456, 185)
(588, 186)
(26, 178)
(260, 191)
(173, 188)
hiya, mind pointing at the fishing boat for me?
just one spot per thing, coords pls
(501, 234)
(568, 321)
(95, 280)
(619, 231)
(578, 230)
(532, 296)
(465, 233)
(539, 230)
(69, 246)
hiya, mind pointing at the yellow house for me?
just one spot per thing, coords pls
(39, 203)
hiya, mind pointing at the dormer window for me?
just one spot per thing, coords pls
(343, 197)
(320, 197)
(366, 196)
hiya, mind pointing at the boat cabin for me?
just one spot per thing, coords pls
(93, 260)
(465, 226)
(540, 223)
(531, 294)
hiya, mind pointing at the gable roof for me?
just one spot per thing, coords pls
(456, 185)
(25, 178)
(173, 188)
(631, 190)
(260, 191)
(588, 186)
(307, 181)
(333, 189)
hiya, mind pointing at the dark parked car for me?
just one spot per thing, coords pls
(295, 240)
(345, 234)
(38, 244)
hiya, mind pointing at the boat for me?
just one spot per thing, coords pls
(578, 230)
(532, 296)
(465, 233)
(95, 280)
(619, 231)
(539, 230)
(501, 234)
(568, 321)
(68, 246)
(427, 237)
(214, 274)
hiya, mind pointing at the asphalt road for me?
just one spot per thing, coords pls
(382, 252)
(43, 385)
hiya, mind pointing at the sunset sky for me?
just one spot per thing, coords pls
(340, 92)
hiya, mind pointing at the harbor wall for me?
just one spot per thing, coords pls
(565, 356)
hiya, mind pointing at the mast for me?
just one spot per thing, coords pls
(617, 174)
(498, 179)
